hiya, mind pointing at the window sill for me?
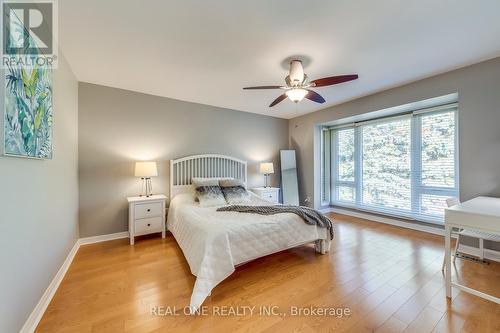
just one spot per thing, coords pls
(403, 218)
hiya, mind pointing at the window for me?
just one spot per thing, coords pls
(404, 165)
(344, 180)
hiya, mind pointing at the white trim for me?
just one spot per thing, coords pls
(395, 110)
(103, 238)
(438, 108)
(386, 220)
(492, 255)
(474, 251)
(470, 250)
(383, 119)
(37, 314)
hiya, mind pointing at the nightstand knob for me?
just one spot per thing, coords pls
(149, 209)
(149, 224)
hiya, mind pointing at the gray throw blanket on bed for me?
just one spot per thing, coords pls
(309, 215)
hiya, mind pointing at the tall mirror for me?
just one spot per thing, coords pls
(289, 182)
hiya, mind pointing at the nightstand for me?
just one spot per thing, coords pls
(268, 193)
(146, 215)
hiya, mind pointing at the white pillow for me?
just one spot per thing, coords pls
(205, 182)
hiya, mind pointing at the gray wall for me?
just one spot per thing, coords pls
(118, 127)
(39, 210)
(478, 87)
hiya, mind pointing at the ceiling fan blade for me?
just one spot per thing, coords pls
(328, 81)
(277, 100)
(262, 87)
(315, 97)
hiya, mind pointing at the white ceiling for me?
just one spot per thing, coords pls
(206, 51)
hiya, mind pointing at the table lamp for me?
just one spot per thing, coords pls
(266, 169)
(146, 170)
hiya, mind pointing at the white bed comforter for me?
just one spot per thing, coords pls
(215, 242)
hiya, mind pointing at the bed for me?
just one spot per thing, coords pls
(213, 242)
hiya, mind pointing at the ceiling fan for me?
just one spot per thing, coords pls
(298, 85)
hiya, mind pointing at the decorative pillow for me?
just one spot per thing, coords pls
(210, 196)
(198, 181)
(234, 191)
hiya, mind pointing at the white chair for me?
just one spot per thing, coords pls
(480, 235)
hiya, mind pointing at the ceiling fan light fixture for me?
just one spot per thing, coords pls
(296, 94)
(296, 72)
(298, 84)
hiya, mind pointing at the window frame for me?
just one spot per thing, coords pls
(417, 188)
(335, 161)
(420, 189)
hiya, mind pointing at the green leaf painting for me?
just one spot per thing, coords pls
(28, 112)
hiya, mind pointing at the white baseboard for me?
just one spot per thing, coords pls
(492, 255)
(488, 254)
(474, 251)
(37, 314)
(386, 220)
(103, 238)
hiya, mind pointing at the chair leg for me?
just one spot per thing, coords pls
(444, 262)
(481, 248)
(456, 248)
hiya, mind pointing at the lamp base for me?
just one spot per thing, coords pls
(147, 187)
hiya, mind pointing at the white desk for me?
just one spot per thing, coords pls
(481, 213)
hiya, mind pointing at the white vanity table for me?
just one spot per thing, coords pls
(481, 213)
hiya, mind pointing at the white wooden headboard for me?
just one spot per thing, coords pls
(183, 170)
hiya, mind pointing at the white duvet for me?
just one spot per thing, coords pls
(215, 242)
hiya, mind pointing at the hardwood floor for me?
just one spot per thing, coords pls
(388, 277)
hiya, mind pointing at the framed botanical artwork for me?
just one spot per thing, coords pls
(26, 88)
(27, 114)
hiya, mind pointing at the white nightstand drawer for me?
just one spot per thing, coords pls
(147, 226)
(270, 196)
(147, 210)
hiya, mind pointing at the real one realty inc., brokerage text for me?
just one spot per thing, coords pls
(272, 310)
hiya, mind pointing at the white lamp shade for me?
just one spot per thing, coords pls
(146, 169)
(296, 94)
(266, 168)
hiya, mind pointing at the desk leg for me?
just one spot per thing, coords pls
(447, 256)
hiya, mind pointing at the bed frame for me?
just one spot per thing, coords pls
(183, 170)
